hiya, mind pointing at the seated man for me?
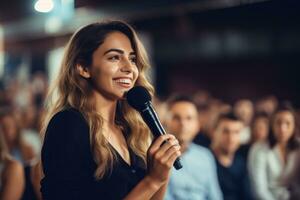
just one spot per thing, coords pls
(197, 179)
(231, 167)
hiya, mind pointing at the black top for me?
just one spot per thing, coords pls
(69, 166)
(244, 151)
(202, 140)
(234, 180)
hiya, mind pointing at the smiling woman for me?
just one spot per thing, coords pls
(95, 145)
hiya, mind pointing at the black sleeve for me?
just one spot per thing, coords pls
(67, 158)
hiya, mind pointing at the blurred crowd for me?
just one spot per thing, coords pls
(247, 150)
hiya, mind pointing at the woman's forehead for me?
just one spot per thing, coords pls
(116, 40)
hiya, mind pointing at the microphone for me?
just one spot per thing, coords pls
(139, 98)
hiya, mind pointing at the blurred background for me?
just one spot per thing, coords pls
(220, 52)
(231, 48)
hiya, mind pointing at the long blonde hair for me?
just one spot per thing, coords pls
(71, 90)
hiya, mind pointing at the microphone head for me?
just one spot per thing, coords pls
(137, 97)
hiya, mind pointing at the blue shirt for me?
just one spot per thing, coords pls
(197, 180)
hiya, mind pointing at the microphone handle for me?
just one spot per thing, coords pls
(151, 118)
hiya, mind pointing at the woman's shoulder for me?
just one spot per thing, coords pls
(69, 117)
(68, 114)
(66, 123)
(258, 152)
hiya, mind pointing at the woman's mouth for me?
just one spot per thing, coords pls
(123, 82)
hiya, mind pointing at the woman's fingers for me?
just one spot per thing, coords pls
(165, 147)
(158, 142)
(170, 152)
(172, 158)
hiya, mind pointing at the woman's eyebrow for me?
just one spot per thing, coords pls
(118, 51)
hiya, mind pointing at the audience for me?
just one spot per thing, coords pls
(259, 132)
(243, 109)
(291, 180)
(267, 160)
(198, 178)
(267, 140)
(17, 147)
(12, 180)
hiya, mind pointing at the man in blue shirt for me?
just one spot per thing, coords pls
(197, 180)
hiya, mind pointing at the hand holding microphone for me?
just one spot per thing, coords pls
(164, 147)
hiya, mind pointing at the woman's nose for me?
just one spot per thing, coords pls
(127, 65)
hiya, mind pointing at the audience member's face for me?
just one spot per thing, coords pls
(283, 126)
(29, 116)
(244, 110)
(9, 128)
(260, 129)
(183, 122)
(227, 136)
(267, 105)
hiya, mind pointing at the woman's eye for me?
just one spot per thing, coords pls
(133, 60)
(114, 58)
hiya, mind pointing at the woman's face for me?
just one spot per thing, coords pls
(114, 69)
(9, 129)
(283, 126)
(260, 129)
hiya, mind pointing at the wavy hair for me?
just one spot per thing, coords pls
(71, 90)
(294, 141)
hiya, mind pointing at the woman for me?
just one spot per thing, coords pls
(267, 161)
(259, 133)
(260, 128)
(95, 145)
(292, 178)
(18, 148)
(12, 181)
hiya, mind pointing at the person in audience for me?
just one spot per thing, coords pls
(17, 147)
(267, 160)
(231, 167)
(208, 116)
(244, 110)
(29, 131)
(267, 104)
(291, 180)
(12, 181)
(259, 132)
(198, 178)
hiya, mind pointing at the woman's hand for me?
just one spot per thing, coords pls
(161, 155)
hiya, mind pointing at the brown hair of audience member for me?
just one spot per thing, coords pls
(259, 116)
(293, 142)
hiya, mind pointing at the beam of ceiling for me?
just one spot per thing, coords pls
(45, 26)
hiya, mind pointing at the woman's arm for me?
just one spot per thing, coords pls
(160, 161)
(14, 181)
(65, 155)
(160, 194)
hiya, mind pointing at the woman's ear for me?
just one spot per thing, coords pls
(83, 71)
